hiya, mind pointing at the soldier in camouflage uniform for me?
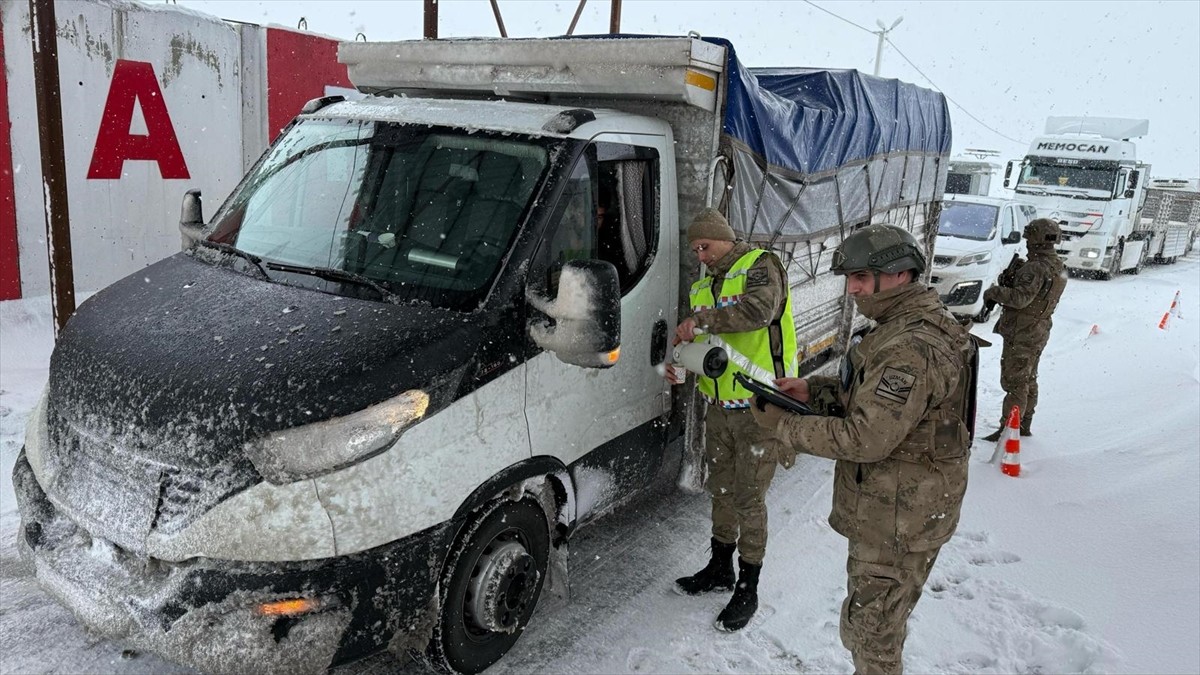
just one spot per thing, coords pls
(744, 300)
(894, 423)
(1036, 287)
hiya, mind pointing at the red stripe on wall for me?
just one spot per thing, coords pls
(299, 67)
(10, 259)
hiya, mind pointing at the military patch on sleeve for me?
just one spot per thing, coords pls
(895, 385)
(756, 277)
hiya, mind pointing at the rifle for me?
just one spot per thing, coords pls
(1006, 279)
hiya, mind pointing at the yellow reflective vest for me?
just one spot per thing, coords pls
(750, 351)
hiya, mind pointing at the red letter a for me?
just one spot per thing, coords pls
(135, 81)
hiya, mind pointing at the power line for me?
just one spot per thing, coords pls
(893, 44)
(868, 30)
(948, 98)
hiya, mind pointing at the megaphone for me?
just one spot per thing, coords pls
(701, 359)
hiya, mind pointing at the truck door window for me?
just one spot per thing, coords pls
(1006, 221)
(628, 201)
(608, 211)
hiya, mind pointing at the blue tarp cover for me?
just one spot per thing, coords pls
(812, 121)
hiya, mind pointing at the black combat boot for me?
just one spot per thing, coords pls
(717, 575)
(994, 436)
(1025, 429)
(744, 602)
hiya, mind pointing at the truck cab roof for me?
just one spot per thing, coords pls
(535, 119)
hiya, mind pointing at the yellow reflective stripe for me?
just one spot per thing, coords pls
(699, 79)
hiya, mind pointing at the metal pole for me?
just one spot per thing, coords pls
(879, 49)
(54, 163)
(575, 19)
(882, 33)
(499, 19)
(431, 19)
(614, 18)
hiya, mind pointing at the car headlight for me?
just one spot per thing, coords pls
(1090, 253)
(313, 449)
(975, 259)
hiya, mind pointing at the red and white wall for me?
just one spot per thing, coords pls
(156, 100)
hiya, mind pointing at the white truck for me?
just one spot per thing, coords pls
(1170, 217)
(403, 362)
(971, 172)
(1085, 175)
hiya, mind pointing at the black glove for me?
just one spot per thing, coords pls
(765, 414)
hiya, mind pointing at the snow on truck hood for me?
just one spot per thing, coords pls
(184, 361)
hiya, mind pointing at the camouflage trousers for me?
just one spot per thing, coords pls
(881, 591)
(1018, 375)
(739, 472)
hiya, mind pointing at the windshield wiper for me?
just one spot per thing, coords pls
(333, 274)
(233, 250)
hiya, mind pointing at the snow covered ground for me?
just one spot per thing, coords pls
(1089, 562)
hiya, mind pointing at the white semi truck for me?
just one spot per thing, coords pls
(1084, 173)
(1170, 217)
(406, 360)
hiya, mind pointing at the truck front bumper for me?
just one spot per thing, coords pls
(210, 614)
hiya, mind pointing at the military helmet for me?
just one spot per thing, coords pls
(1042, 232)
(879, 248)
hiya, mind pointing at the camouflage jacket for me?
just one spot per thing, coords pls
(1037, 286)
(766, 290)
(901, 445)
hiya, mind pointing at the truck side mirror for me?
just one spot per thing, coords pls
(1008, 172)
(191, 218)
(1013, 237)
(1133, 179)
(586, 314)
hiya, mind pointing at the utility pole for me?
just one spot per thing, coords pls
(54, 162)
(882, 33)
(431, 19)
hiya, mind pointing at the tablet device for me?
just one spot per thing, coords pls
(773, 396)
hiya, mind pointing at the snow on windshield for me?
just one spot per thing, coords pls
(426, 214)
(968, 221)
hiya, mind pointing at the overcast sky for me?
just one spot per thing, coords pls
(1009, 64)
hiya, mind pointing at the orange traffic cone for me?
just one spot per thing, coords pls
(1010, 465)
(1162, 324)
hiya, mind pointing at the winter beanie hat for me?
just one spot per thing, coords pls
(710, 224)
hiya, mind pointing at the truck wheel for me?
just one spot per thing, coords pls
(490, 584)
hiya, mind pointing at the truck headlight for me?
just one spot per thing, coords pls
(975, 259)
(313, 449)
(36, 438)
(1090, 252)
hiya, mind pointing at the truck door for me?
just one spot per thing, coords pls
(605, 424)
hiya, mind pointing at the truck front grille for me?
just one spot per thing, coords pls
(121, 494)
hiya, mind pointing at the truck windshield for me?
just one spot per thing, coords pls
(1049, 177)
(424, 213)
(968, 221)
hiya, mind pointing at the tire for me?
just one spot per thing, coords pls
(490, 585)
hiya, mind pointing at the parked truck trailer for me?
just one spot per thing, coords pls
(1170, 217)
(372, 400)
